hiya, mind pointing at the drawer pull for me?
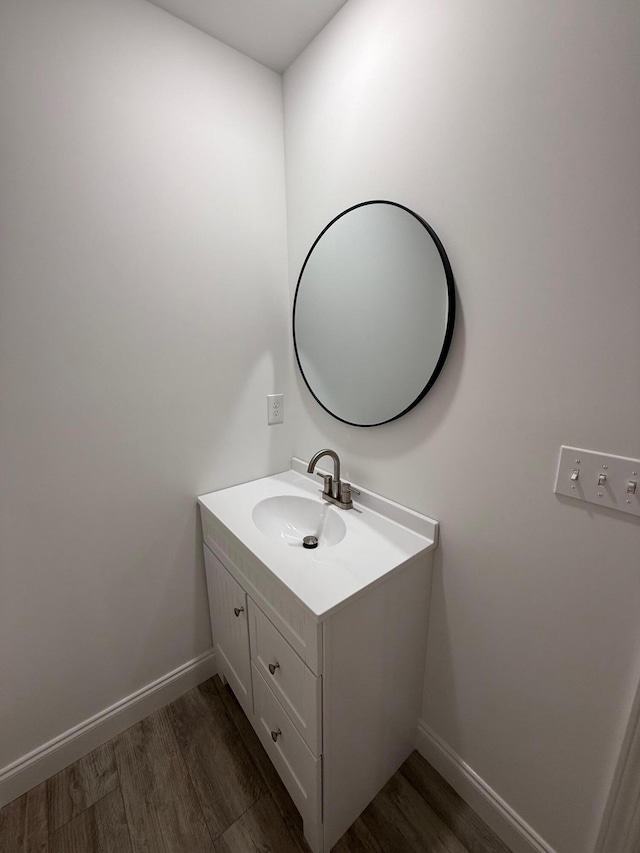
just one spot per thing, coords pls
(275, 735)
(238, 610)
(273, 667)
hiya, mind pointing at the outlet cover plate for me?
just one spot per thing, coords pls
(619, 472)
(275, 408)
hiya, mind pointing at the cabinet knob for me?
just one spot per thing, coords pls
(275, 735)
(238, 610)
(273, 667)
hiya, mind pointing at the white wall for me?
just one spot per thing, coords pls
(514, 129)
(143, 322)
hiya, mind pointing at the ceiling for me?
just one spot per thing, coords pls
(273, 32)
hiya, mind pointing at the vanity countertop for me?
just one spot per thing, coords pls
(381, 536)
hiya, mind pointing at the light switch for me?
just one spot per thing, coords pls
(599, 478)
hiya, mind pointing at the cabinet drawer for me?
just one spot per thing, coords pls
(298, 768)
(294, 685)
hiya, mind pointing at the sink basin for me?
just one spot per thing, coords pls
(289, 518)
(258, 528)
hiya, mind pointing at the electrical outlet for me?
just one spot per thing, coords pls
(275, 408)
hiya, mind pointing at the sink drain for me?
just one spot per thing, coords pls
(310, 542)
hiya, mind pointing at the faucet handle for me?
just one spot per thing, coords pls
(328, 482)
(346, 492)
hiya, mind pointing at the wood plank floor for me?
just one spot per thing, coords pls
(193, 777)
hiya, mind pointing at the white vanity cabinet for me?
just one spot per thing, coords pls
(283, 705)
(333, 696)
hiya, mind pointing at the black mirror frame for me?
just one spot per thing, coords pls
(451, 314)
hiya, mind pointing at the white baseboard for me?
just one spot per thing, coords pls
(31, 769)
(494, 811)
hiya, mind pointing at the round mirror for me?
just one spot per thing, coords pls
(373, 313)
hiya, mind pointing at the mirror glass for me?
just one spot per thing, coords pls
(373, 313)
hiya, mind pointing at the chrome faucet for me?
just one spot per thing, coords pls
(334, 491)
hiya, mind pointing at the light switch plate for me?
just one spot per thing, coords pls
(602, 478)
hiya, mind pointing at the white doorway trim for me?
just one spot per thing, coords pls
(620, 829)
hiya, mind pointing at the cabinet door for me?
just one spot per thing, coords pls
(230, 626)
